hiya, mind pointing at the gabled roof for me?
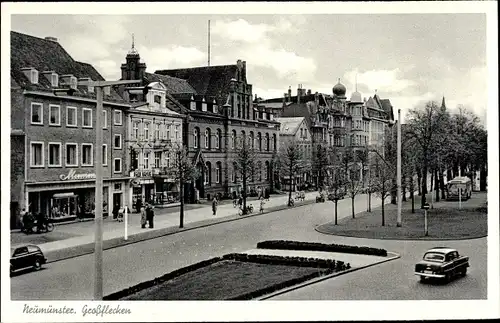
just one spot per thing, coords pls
(289, 125)
(387, 107)
(47, 55)
(209, 81)
(298, 110)
(173, 84)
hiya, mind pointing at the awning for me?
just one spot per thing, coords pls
(61, 195)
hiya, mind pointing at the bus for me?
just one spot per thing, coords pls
(453, 186)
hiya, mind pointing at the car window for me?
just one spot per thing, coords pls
(20, 251)
(33, 249)
(434, 256)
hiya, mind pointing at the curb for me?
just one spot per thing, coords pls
(88, 248)
(319, 279)
(339, 234)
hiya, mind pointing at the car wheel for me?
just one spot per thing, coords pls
(37, 265)
(422, 278)
(464, 272)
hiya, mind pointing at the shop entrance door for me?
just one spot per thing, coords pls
(117, 203)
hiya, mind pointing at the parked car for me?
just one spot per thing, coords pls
(26, 256)
(442, 263)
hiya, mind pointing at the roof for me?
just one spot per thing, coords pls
(209, 81)
(173, 84)
(294, 99)
(298, 110)
(387, 107)
(441, 250)
(290, 125)
(47, 55)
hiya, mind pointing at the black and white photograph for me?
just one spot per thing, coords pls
(246, 156)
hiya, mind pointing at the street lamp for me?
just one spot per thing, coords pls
(399, 197)
(98, 273)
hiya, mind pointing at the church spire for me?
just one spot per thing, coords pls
(133, 51)
(443, 104)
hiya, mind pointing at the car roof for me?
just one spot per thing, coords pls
(444, 250)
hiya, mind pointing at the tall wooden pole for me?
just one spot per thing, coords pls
(400, 199)
(209, 43)
(98, 274)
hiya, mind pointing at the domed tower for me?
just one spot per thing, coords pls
(133, 69)
(339, 90)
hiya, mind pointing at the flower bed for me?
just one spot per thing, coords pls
(231, 277)
(313, 246)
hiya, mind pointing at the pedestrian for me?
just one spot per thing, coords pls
(138, 204)
(259, 192)
(261, 210)
(214, 205)
(143, 217)
(150, 215)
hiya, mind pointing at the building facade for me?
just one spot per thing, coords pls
(218, 108)
(296, 130)
(53, 126)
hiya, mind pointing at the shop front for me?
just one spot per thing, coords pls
(70, 200)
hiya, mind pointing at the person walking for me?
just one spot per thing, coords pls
(150, 215)
(261, 209)
(143, 217)
(214, 205)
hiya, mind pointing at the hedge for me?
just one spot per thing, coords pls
(314, 246)
(289, 261)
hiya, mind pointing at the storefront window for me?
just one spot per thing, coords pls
(63, 205)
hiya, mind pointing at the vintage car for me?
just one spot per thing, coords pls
(26, 256)
(442, 263)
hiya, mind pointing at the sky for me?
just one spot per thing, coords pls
(407, 58)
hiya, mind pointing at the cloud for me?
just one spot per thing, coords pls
(240, 30)
(390, 81)
(107, 28)
(109, 69)
(173, 56)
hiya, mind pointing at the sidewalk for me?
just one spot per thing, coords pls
(78, 238)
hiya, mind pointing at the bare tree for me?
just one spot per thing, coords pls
(291, 159)
(383, 181)
(354, 183)
(320, 159)
(245, 158)
(337, 178)
(182, 171)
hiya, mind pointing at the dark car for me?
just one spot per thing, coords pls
(26, 256)
(442, 263)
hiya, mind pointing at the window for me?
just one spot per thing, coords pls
(37, 155)
(217, 172)
(157, 131)
(157, 99)
(34, 76)
(176, 132)
(118, 117)
(87, 118)
(157, 159)
(252, 143)
(259, 171)
(54, 115)
(105, 155)
(233, 139)
(207, 138)
(118, 141)
(208, 174)
(118, 187)
(135, 130)
(167, 133)
(275, 142)
(36, 113)
(146, 131)
(54, 80)
(117, 165)
(233, 173)
(167, 159)
(54, 154)
(195, 137)
(104, 119)
(267, 170)
(217, 136)
(106, 90)
(87, 155)
(71, 155)
(259, 141)
(71, 117)
(146, 160)
(266, 142)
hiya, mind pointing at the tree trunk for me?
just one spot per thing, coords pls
(424, 185)
(436, 185)
(449, 175)
(352, 205)
(403, 189)
(244, 194)
(432, 179)
(181, 197)
(383, 213)
(336, 201)
(419, 178)
(412, 195)
(482, 178)
(369, 200)
(441, 184)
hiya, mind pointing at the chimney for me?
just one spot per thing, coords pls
(309, 92)
(289, 94)
(284, 99)
(50, 38)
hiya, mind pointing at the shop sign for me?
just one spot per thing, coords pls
(72, 175)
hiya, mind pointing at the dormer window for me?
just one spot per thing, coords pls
(73, 82)
(54, 80)
(192, 104)
(107, 90)
(31, 73)
(215, 107)
(90, 89)
(203, 105)
(157, 99)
